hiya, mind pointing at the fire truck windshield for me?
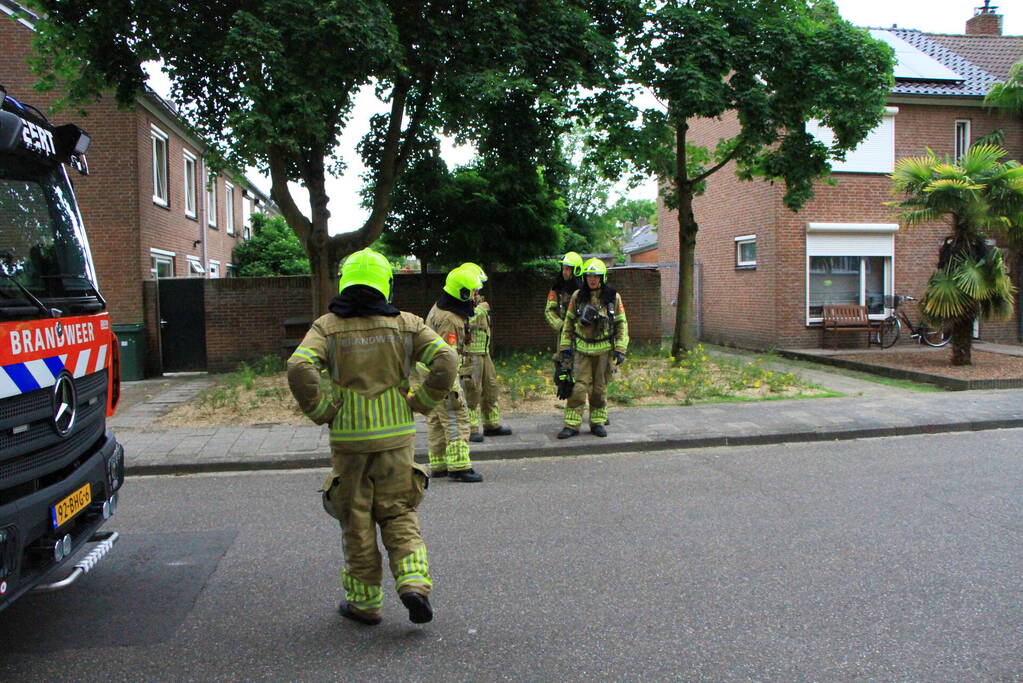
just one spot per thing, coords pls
(42, 243)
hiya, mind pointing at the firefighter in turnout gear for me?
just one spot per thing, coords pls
(595, 338)
(351, 372)
(564, 286)
(481, 391)
(448, 424)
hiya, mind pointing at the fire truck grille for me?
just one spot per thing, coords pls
(29, 444)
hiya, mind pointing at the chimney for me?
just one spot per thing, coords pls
(985, 22)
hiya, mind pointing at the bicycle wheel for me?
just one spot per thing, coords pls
(937, 338)
(888, 332)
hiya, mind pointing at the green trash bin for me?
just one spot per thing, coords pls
(132, 339)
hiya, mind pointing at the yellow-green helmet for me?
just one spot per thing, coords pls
(369, 268)
(478, 269)
(595, 266)
(461, 282)
(575, 260)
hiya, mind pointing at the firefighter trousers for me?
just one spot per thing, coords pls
(481, 393)
(591, 374)
(367, 490)
(448, 434)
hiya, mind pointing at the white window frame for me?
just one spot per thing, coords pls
(211, 200)
(739, 241)
(229, 207)
(189, 184)
(852, 230)
(214, 269)
(961, 125)
(161, 171)
(246, 216)
(195, 268)
(162, 256)
(230, 270)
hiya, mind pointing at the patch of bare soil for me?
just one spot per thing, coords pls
(265, 400)
(986, 365)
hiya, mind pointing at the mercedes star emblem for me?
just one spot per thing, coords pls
(65, 404)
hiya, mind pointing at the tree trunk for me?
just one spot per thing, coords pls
(321, 249)
(684, 338)
(962, 342)
(324, 273)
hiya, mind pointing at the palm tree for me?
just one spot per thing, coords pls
(1005, 96)
(980, 197)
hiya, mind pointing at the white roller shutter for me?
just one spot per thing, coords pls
(876, 154)
(850, 244)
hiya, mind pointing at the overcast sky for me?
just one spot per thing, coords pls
(931, 16)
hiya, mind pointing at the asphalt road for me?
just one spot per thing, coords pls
(885, 559)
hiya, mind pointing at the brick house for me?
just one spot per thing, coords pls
(764, 272)
(641, 243)
(149, 205)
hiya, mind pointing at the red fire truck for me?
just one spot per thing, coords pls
(60, 468)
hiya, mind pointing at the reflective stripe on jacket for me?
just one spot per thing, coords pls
(479, 329)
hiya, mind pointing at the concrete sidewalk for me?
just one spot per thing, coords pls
(869, 409)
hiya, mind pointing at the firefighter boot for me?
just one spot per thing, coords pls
(368, 618)
(567, 432)
(476, 437)
(496, 431)
(598, 430)
(418, 606)
(469, 476)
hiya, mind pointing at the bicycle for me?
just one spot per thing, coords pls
(889, 329)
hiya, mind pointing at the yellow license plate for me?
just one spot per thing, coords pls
(71, 506)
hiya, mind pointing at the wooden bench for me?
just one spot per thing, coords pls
(846, 318)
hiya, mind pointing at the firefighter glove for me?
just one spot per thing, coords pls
(619, 357)
(564, 382)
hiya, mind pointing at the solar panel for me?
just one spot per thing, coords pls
(913, 65)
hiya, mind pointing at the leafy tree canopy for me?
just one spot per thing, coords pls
(272, 250)
(272, 82)
(490, 212)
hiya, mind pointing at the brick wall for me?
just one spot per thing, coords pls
(245, 316)
(648, 256)
(151, 305)
(767, 306)
(737, 305)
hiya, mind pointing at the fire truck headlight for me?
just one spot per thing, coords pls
(115, 468)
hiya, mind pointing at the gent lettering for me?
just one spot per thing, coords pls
(38, 139)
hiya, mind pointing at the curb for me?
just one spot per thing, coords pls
(292, 461)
